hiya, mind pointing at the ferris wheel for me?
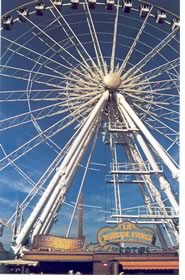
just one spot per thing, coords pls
(90, 104)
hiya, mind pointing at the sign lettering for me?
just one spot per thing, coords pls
(57, 242)
(126, 233)
(134, 250)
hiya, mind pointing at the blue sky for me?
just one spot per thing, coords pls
(13, 187)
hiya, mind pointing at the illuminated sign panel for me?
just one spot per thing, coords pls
(126, 232)
(109, 239)
(57, 243)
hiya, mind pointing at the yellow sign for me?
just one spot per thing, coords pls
(126, 232)
(57, 243)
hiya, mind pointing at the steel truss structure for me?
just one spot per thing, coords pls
(82, 72)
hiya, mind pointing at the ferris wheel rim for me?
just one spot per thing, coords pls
(41, 131)
(93, 59)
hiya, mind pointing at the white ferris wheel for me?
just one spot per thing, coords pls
(90, 104)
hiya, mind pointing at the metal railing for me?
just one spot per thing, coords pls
(144, 212)
(123, 179)
(134, 168)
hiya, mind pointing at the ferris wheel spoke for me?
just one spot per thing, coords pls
(173, 79)
(37, 35)
(75, 36)
(162, 130)
(86, 81)
(156, 124)
(49, 132)
(40, 183)
(164, 68)
(136, 68)
(31, 91)
(155, 72)
(114, 38)
(144, 99)
(25, 99)
(157, 98)
(95, 40)
(174, 75)
(44, 112)
(42, 82)
(75, 71)
(17, 70)
(47, 74)
(172, 83)
(170, 136)
(34, 142)
(28, 146)
(84, 75)
(171, 99)
(89, 102)
(70, 38)
(19, 170)
(31, 51)
(148, 90)
(12, 43)
(56, 52)
(157, 95)
(163, 126)
(161, 97)
(144, 110)
(163, 85)
(162, 112)
(38, 97)
(27, 117)
(42, 94)
(176, 141)
(53, 40)
(167, 113)
(36, 62)
(154, 84)
(161, 89)
(123, 65)
(26, 79)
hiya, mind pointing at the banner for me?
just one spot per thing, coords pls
(57, 243)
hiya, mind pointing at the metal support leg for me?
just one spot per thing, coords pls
(55, 180)
(59, 193)
(159, 150)
(163, 183)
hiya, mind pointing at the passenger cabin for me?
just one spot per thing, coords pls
(58, 4)
(109, 4)
(143, 10)
(92, 4)
(40, 8)
(22, 13)
(161, 16)
(175, 23)
(127, 6)
(75, 4)
(7, 22)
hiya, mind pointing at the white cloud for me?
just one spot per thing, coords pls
(14, 184)
(5, 201)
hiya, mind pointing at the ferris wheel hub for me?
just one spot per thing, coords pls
(112, 80)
